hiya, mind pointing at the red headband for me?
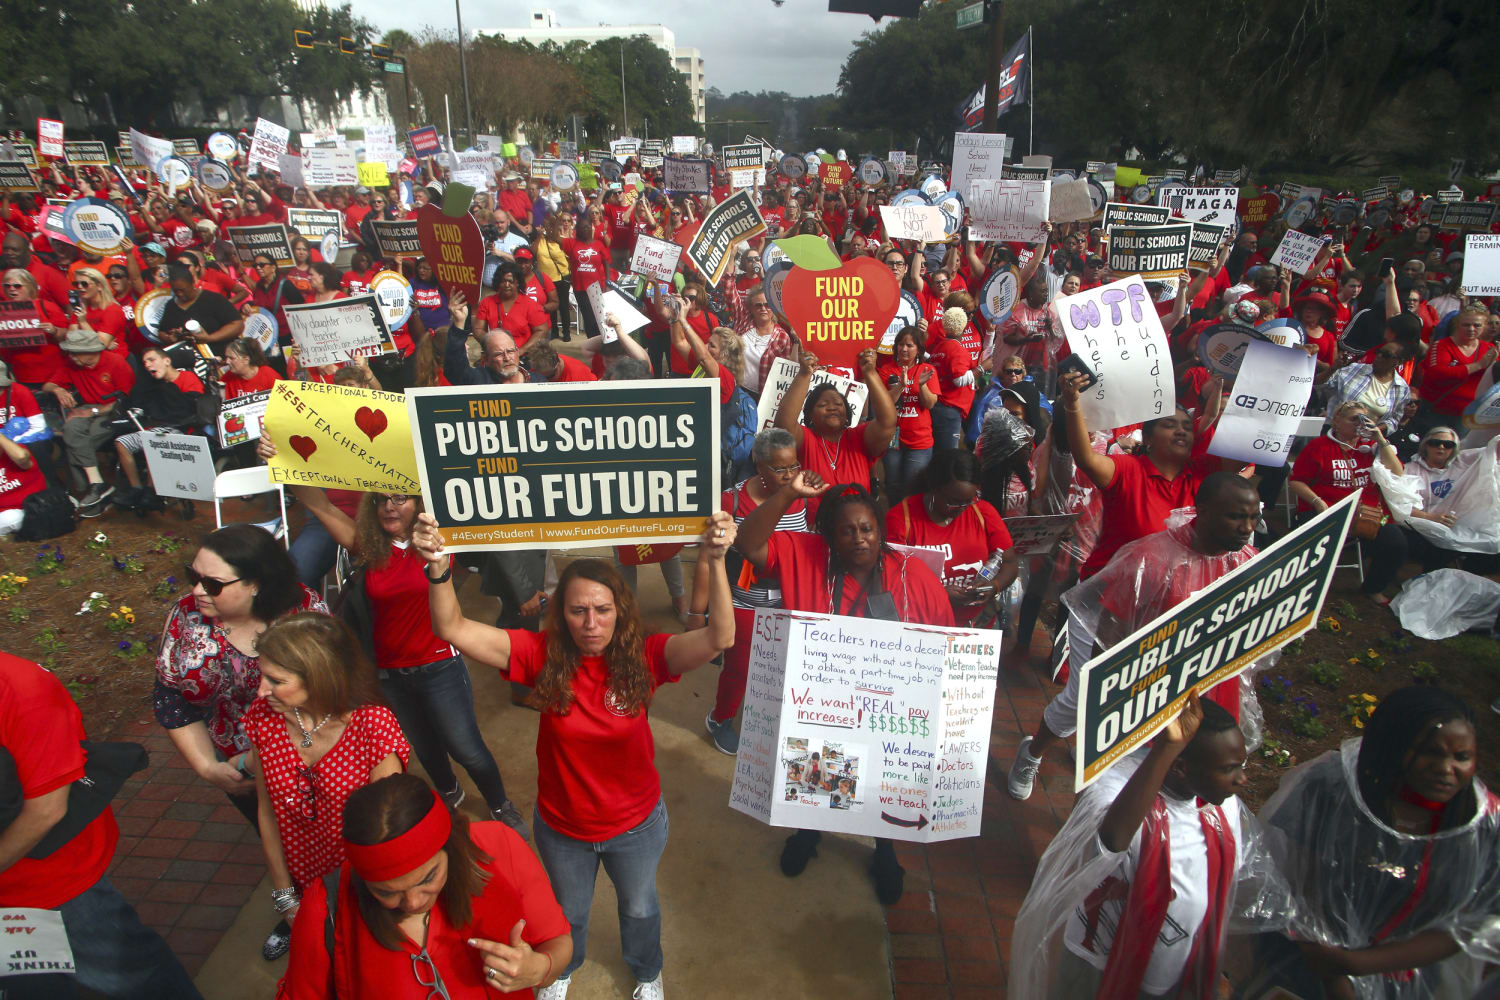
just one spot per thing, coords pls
(404, 852)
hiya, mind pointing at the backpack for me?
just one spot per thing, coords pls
(739, 418)
(47, 514)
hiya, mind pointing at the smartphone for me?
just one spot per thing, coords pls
(74, 301)
(1073, 363)
(1387, 265)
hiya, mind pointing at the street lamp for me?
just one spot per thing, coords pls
(624, 111)
(463, 69)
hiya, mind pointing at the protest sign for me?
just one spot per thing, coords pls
(267, 146)
(312, 223)
(393, 296)
(453, 244)
(1256, 212)
(49, 137)
(841, 311)
(1481, 264)
(913, 222)
(1150, 251)
(835, 175)
(215, 177)
(340, 436)
(1038, 535)
(607, 302)
(541, 168)
(1216, 205)
(1291, 191)
(186, 147)
(866, 727)
(1115, 330)
(779, 379)
(16, 176)
(1297, 251)
(86, 154)
(1010, 210)
(654, 258)
(1468, 216)
(997, 296)
(1133, 689)
(1222, 346)
(1269, 397)
(181, 465)
(374, 175)
(380, 144)
(20, 151)
(1204, 249)
(149, 150)
(1377, 193)
(271, 239)
(686, 176)
(745, 156)
(329, 332)
(684, 144)
(40, 946)
(20, 325)
(125, 156)
(1069, 201)
(588, 179)
(240, 418)
(1123, 214)
(424, 141)
(727, 224)
(746, 179)
(500, 463)
(99, 226)
(290, 167)
(328, 167)
(624, 149)
(475, 168)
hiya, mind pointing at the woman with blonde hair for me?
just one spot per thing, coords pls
(97, 310)
(552, 261)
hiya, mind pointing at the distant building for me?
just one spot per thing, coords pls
(544, 27)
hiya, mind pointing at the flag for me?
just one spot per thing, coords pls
(1015, 74)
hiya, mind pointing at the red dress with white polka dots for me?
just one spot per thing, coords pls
(309, 801)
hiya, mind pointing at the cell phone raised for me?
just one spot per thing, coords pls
(1073, 363)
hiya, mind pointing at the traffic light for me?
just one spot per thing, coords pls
(348, 46)
(302, 38)
(381, 51)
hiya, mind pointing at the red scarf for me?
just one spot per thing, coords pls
(1146, 908)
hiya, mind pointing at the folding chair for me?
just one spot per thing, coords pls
(251, 482)
(1359, 558)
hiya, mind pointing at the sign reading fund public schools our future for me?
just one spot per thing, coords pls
(568, 465)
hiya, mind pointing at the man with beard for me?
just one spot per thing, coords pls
(501, 362)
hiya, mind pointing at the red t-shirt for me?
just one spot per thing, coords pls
(397, 593)
(42, 729)
(800, 560)
(358, 282)
(843, 462)
(621, 232)
(589, 261)
(218, 281)
(538, 288)
(265, 376)
(952, 361)
(111, 375)
(1332, 472)
(570, 369)
(596, 771)
(38, 365)
(966, 543)
(17, 401)
(518, 321)
(16, 483)
(50, 283)
(1447, 384)
(702, 324)
(1139, 498)
(913, 419)
(111, 320)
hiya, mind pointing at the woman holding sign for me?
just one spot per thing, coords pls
(593, 672)
(846, 568)
(914, 385)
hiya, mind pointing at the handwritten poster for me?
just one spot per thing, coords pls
(976, 156)
(866, 727)
(341, 436)
(656, 259)
(1115, 330)
(327, 333)
(1297, 251)
(1010, 210)
(779, 380)
(267, 146)
(913, 222)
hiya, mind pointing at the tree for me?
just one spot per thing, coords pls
(779, 118)
(654, 91)
(511, 85)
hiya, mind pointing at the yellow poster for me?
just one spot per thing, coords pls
(1127, 176)
(340, 436)
(373, 175)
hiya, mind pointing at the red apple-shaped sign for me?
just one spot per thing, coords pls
(454, 247)
(839, 312)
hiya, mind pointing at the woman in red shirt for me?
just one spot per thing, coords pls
(1338, 463)
(248, 371)
(509, 310)
(98, 311)
(34, 367)
(303, 258)
(913, 384)
(325, 283)
(20, 477)
(1453, 366)
(588, 259)
(700, 320)
(593, 672)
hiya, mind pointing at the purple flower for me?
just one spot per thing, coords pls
(58, 556)
(124, 644)
(172, 580)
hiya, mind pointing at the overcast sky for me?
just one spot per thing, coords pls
(752, 45)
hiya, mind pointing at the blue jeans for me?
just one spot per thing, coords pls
(434, 704)
(313, 552)
(902, 465)
(113, 952)
(947, 426)
(630, 861)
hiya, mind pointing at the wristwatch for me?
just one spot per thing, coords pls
(94, 410)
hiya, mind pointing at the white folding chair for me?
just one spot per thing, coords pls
(1359, 558)
(251, 482)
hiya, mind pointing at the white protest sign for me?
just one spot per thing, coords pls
(327, 167)
(1266, 404)
(268, 144)
(1009, 210)
(1481, 264)
(38, 943)
(1115, 330)
(656, 259)
(1069, 201)
(242, 418)
(976, 156)
(181, 465)
(49, 137)
(866, 727)
(380, 145)
(745, 178)
(289, 165)
(1215, 204)
(149, 150)
(684, 144)
(611, 303)
(913, 222)
(1038, 534)
(1297, 251)
(329, 332)
(779, 380)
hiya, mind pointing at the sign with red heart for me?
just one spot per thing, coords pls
(841, 311)
(340, 436)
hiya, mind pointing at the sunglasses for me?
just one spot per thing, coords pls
(211, 587)
(83, 284)
(1441, 444)
(118, 274)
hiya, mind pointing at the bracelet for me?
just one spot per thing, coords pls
(285, 900)
(447, 573)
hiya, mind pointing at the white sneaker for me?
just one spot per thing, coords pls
(557, 991)
(1022, 775)
(649, 991)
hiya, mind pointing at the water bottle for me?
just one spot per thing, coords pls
(991, 566)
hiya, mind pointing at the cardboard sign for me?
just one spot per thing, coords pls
(1256, 212)
(181, 465)
(1123, 214)
(500, 464)
(99, 226)
(312, 223)
(1010, 210)
(913, 222)
(1115, 329)
(1468, 216)
(241, 418)
(86, 154)
(16, 176)
(727, 224)
(374, 175)
(398, 239)
(289, 165)
(49, 137)
(1070, 201)
(1150, 251)
(866, 727)
(780, 377)
(454, 246)
(839, 312)
(1131, 691)
(1038, 534)
(1215, 205)
(340, 436)
(424, 141)
(681, 175)
(271, 239)
(1481, 264)
(654, 258)
(1270, 395)
(1204, 249)
(976, 156)
(20, 325)
(610, 303)
(380, 144)
(327, 333)
(38, 944)
(1297, 251)
(267, 145)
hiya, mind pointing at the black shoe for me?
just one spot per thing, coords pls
(93, 503)
(801, 847)
(278, 942)
(127, 497)
(890, 877)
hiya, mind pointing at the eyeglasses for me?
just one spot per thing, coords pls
(895, 264)
(211, 587)
(784, 470)
(118, 274)
(1018, 372)
(422, 966)
(395, 499)
(265, 263)
(13, 284)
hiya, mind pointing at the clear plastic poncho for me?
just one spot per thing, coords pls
(1355, 878)
(1470, 491)
(1074, 865)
